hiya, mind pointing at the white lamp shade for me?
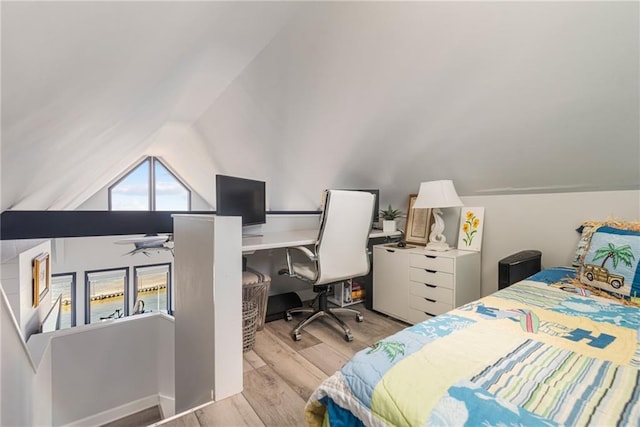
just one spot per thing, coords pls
(437, 194)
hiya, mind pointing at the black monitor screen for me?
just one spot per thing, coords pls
(241, 197)
(376, 210)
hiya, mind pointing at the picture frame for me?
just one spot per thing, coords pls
(41, 277)
(418, 223)
(470, 230)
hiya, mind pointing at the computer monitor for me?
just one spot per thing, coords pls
(376, 210)
(243, 197)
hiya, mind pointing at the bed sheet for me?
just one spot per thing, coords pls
(540, 352)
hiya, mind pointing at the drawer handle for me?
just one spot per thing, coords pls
(390, 250)
(429, 314)
(431, 256)
(430, 271)
(430, 300)
(430, 286)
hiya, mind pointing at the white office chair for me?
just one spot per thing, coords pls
(340, 253)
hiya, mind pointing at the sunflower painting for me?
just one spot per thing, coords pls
(470, 232)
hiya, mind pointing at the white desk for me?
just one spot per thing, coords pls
(279, 239)
(287, 239)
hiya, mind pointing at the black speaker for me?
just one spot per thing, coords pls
(518, 266)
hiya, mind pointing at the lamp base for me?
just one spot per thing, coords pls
(438, 246)
(437, 241)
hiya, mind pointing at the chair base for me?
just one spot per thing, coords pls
(321, 311)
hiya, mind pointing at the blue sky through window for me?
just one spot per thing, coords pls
(171, 195)
(132, 193)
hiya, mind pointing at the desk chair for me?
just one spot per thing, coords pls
(340, 253)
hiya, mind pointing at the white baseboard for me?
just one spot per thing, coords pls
(166, 420)
(118, 412)
(167, 406)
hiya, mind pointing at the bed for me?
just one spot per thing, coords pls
(544, 351)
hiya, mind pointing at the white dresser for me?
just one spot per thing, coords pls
(412, 284)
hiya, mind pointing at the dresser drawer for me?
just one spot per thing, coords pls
(416, 316)
(431, 277)
(434, 263)
(429, 306)
(435, 293)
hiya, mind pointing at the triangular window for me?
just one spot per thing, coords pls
(150, 186)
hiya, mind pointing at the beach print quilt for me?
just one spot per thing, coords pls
(538, 353)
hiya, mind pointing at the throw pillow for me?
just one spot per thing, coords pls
(611, 258)
(585, 233)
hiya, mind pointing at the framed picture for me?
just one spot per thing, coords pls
(470, 231)
(418, 223)
(41, 270)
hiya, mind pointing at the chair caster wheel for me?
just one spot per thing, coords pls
(348, 337)
(296, 336)
(359, 318)
(288, 317)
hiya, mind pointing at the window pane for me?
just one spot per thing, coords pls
(132, 193)
(105, 294)
(152, 285)
(170, 194)
(62, 285)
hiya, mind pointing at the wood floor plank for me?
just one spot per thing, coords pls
(252, 360)
(275, 402)
(246, 366)
(303, 376)
(283, 329)
(187, 420)
(365, 334)
(330, 333)
(374, 327)
(325, 358)
(233, 411)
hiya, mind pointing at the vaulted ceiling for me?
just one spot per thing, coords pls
(501, 97)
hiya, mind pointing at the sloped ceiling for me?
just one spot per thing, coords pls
(501, 97)
(88, 88)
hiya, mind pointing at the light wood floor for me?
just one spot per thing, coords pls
(280, 374)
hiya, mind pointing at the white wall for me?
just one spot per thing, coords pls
(546, 222)
(43, 390)
(17, 372)
(16, 274)
(165, 374)
(109, 365)
(208, 325)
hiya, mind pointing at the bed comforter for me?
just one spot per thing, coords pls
(539, 352)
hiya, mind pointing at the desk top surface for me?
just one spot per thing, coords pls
(287, 239)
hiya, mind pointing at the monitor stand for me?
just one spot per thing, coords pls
(252, 235)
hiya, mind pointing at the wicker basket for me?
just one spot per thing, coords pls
(249, 324)
(259, 294)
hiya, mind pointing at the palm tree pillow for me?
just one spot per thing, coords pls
(610, 260)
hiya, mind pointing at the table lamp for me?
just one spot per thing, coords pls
(435, 195)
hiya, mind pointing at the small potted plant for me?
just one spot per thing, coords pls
(389, 217)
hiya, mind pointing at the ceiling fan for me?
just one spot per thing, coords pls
(148, 244)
